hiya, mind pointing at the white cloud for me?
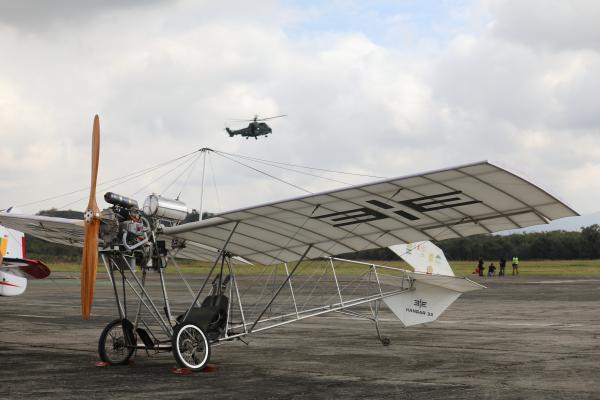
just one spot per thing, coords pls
(166, 78)
(548, 24)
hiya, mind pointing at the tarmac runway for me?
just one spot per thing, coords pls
(522, 338)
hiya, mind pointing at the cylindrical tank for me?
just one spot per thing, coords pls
(118, 200)
(161, 207)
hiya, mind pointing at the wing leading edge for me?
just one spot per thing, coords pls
(456, 202)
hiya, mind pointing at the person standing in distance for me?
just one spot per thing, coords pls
(515, 265)
(502, 266)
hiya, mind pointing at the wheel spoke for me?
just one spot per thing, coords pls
(113, 344)
(191, 346)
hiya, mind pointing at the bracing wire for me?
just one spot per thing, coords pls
(187, 169)
(129, 177)
(191, 167)
(265, 173)
(302, 166)
(268, 163)
(124, 178)
(187, 179)
(214, 181)
(160, 177)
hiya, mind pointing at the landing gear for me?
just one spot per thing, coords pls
(117, 342)
(190, 347)
(384, 340)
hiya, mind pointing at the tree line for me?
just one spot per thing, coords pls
(554, 245)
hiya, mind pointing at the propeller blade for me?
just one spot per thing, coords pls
(92, 228)
(89, 267)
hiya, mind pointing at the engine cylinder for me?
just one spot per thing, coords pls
(118, 200)
(161, 207)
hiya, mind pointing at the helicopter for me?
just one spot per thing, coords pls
(255, 128)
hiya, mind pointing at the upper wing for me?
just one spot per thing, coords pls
(52, 229)
(456, 202)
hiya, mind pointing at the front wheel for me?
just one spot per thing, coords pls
(115, 345)
(190, 347)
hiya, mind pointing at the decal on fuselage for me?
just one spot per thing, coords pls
(419, 205)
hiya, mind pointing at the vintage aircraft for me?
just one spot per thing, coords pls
(14, 267)
(294, 244)
(255, 129)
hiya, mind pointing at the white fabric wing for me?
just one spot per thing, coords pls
(457, 202)
(52, 229)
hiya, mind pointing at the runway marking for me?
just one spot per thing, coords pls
(561, 281)
(527, 324)
(531, 324)
(36, 316)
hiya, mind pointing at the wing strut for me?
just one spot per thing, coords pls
(222, 255)
(281, 287)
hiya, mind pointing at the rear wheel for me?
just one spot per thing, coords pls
(190, 347)
(113, 346)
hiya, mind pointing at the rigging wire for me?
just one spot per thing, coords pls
(159, 178)
(212, 170)
(188, 176)
(301, 166)
(295, 170)
(186, 169)
(134, 175)
(265, 173)
(129, 177)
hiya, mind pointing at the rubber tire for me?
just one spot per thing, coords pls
(102, 341)
(175, 348)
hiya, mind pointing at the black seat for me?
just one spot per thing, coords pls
(211, 316)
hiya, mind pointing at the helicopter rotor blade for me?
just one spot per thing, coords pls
(277, 116)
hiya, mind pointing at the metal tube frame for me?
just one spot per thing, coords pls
(223, 254)
(280, 287)
(324, 310)
(291, 289)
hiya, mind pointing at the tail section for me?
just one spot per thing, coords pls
(14, 267)
(435, 286)
(12, 243)
(424, 304)
(424, 257)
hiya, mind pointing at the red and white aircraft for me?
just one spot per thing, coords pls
(15, 269)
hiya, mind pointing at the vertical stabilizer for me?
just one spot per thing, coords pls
(12, 243)
(424, 257)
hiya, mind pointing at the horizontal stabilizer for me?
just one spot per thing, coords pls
(458, 284)
(32, 269)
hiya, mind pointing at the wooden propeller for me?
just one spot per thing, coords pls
(92, 228)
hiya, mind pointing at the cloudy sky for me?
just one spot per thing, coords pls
(382, 88)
